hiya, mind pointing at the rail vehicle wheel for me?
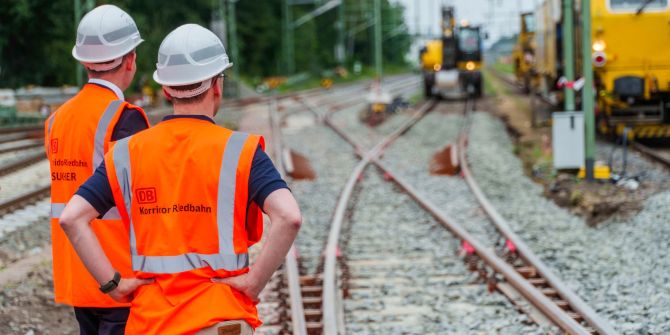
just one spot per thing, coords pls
(427, 88)
(534, 105)
(526, 84)
(479, 88)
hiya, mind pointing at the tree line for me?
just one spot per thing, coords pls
(37, 36)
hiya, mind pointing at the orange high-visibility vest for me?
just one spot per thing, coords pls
(182, 189)
(76, 138)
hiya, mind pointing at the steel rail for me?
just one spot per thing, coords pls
(17, 136)
(24, 128)
(335, 95)
(27, 197)
(243, 102)
(10, 167)
(530, 292)
(299, 325)
(577, 304)
(351, 102)
(28, 145)
(331, 326)
(514, 84)
(649, 152)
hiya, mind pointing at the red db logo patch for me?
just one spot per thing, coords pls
(54, 145)
(146, 195)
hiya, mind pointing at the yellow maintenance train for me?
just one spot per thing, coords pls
(451, 66)
(630, 56)
(523, 55)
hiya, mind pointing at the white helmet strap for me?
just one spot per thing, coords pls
(185, 94)
(102, 67)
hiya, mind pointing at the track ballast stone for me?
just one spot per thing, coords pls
(619, 268)
(332, 160)
(406, 277)
(410, 156)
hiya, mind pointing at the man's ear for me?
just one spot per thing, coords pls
(218, 89)
(167, 95)
(129, 60)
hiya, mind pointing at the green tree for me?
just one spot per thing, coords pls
(37, 36)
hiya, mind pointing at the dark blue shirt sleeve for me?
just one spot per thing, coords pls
(130, 122)
(97, 191)
(263, 180)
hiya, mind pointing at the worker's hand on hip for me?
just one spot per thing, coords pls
(127, 286)
(243, 283)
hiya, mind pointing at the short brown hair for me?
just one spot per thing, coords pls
(198, 98)
(111, 71)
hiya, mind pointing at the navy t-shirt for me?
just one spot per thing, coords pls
(263, 178)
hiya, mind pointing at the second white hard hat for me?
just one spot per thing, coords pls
(188, 55)
(106, 33)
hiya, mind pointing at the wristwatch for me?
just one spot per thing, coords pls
(112, 284)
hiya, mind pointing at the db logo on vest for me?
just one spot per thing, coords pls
(54, 145)
(146, 195)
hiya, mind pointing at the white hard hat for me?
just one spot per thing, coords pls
(190, 54)
(105, 34)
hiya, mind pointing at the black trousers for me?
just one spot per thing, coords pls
(101, 321)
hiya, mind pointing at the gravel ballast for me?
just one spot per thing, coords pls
(406, 277)
(620, 267)
(410, 157)
(332, 159)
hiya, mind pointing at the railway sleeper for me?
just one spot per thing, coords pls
(576, 316)
(312, 302)
(311, 291)
(527, 271)
(564, 305)
(311, 280)
(538, 281)
(550, 292)
(313, 315)
(314, 328)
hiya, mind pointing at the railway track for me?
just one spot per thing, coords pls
(22, 129)
(316, 299)
(20, 148)
(526, 263)
(303, 314)
(661, 156)
(530, 280)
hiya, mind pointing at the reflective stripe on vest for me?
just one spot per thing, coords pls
(57, 210)
(101, 131)
(226, 259)
(51, 122)
(98, 155)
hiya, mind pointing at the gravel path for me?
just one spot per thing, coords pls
(619, 268)
(24, 232)
(29, 308)
(406, 278)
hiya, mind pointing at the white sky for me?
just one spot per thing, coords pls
(499, 17)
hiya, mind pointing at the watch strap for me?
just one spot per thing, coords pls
(112, 284)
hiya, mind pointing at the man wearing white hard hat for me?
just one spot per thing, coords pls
(193, 195)
(77, 136)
